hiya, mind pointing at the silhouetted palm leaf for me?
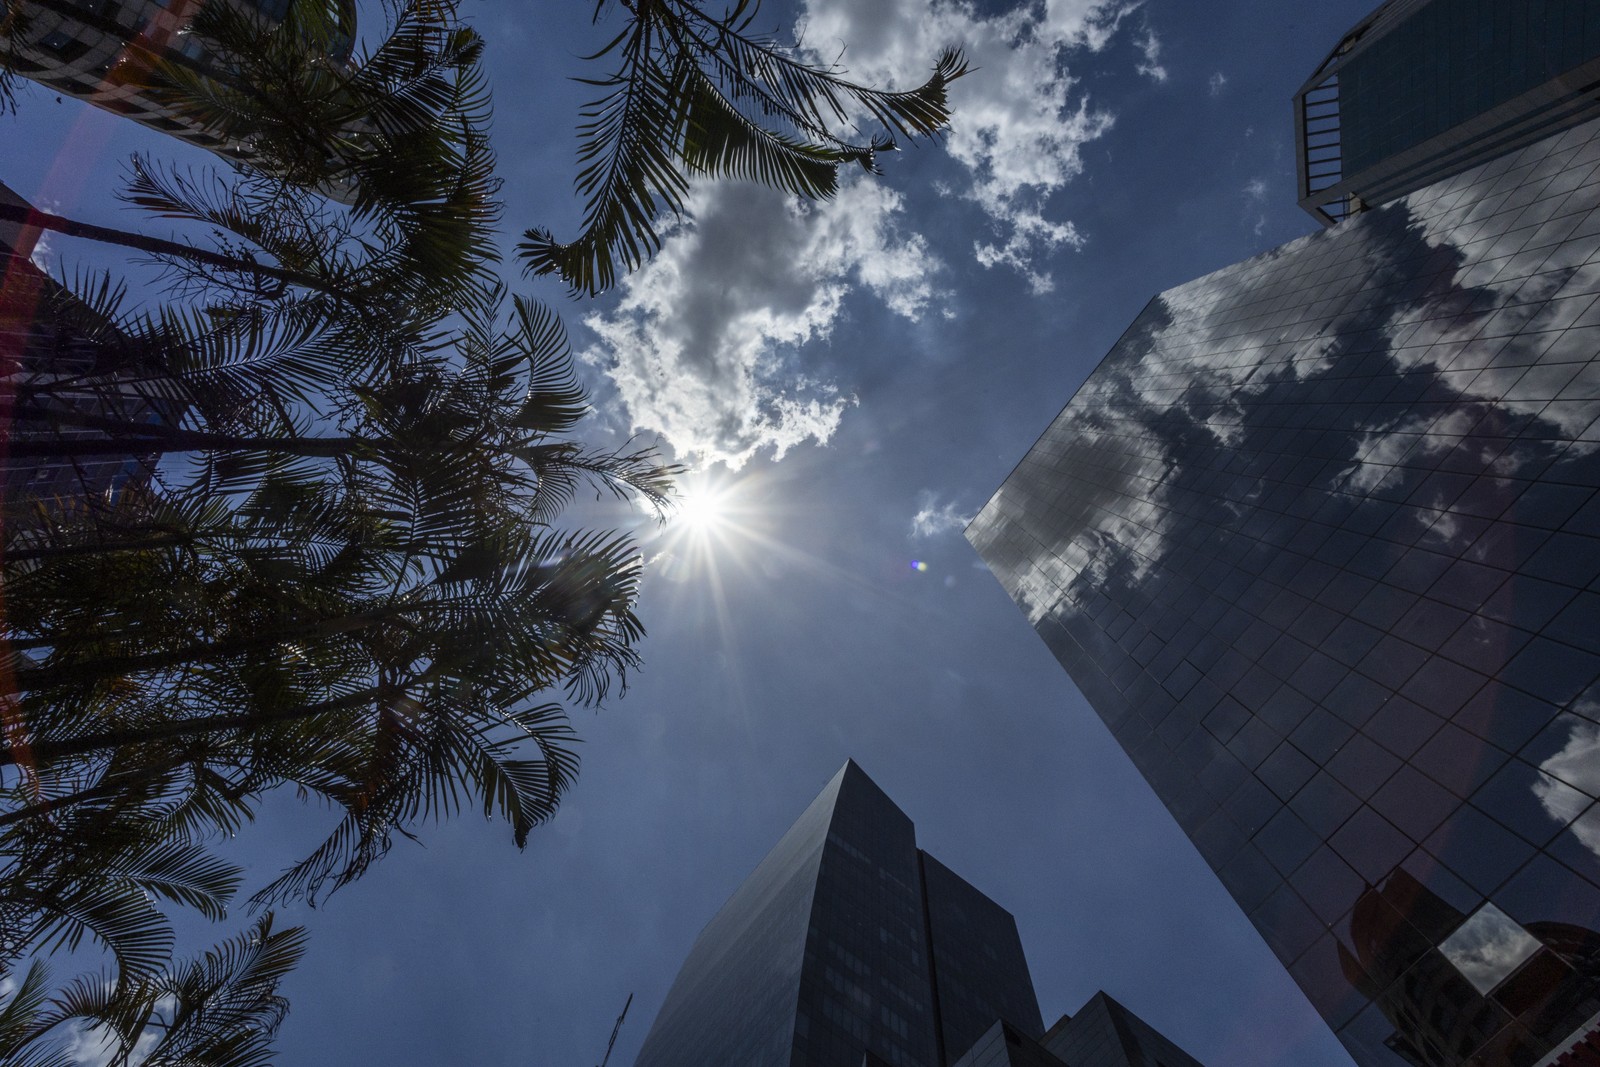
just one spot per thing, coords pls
(221, 1010)
(699, 94)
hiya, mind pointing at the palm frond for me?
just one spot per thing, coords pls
(222, 1010)
(116, 916)
(698, 94)
(629, 168)
(722, 142)
(188, 874)
(20, 1016)
(555, 401)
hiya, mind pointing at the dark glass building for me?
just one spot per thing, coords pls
(1421, 89)
(848, 946)
(1320, 542)
(1102, 1034)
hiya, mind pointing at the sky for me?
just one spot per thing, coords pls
(851, 380)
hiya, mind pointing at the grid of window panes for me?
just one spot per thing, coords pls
(1151, 1048)
(865, 983)
(1455, 60)
(980, 971)
(79, 52)
(1319, 540)
(40, 323)
(820, 958)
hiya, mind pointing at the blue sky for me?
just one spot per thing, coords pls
(856, 378)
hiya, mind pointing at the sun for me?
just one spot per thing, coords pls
(701, 508)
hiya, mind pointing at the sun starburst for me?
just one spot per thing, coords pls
(702, 508)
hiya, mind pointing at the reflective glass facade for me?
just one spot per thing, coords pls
(978, 963)
(1320, 542)
(1425, 88)
(1002, 1045)
(821, 957)
(1452, 61)
(735, 999)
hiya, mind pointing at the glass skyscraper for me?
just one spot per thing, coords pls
(848, 946)
(1319, 540)
(1424, 88)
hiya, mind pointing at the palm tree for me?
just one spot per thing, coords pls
(372, 621)
(223, 1008)
(399, 133)
(347, 577)
(701, 94)
(98, 878)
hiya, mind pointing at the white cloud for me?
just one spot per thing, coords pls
(1150, 45)
(90, 1047)
(702, 345)
(44, 252)
(933, 518)
(1030, 232)
(1021, 120)
(1578, 762)
(1255, 195)
(1488, 947)
(1216, 83)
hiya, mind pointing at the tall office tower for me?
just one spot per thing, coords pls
(100, 50)
(1425, 88)
(1319, 540)
(823, 954)
(850, 947)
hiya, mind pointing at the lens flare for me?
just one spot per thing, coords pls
(701, 508)
(918, 565)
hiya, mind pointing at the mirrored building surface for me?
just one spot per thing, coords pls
(1320, 542)
(850, 947)
(1424, 88)
(846, 941)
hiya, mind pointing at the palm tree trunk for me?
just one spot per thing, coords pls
(30, 555)
(41, 752)
(106, 788)
(31, 216)
(145, 438)
(32, 679)
(150, 440)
